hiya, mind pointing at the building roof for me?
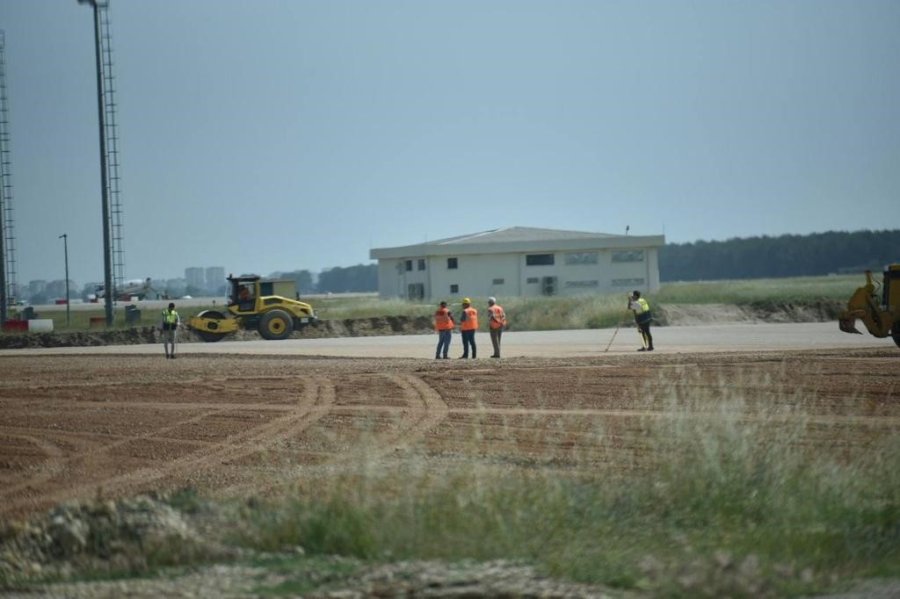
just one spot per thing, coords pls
(529, 234)
(518, 239)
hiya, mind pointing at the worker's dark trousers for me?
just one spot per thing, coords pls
(443, 346)
(495, 341)
(645, 333)
(468, 338)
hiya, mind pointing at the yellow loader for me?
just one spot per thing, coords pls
(881, 315)
(255, 304)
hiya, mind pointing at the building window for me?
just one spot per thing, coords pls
(573, 258)
(421, 264)
(408, 265)
(451, 263)
(628, 256)
(627, 282)
(539, 260)
(498, 281)
(454, 288)
(582, 284)
(532, 281)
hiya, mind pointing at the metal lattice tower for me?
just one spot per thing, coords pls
(8, 285)
(112, 149)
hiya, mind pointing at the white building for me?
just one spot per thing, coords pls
(519, 261)
(195, 277)
(215, 278)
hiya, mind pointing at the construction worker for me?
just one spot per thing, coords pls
(468, 324)
(642, 317)
(496, 322)
(443, 324)
(169, 326)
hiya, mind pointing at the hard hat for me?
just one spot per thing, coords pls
(466, 300)
(492, 300)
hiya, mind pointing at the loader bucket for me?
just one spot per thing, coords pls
(848, 324)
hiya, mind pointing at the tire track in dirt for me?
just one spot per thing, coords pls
(424, 417)
(47, 468)
(314, 403)
(425, 409)
(96, 450)
(160, 434)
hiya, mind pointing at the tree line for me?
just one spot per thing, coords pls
(340, 279)
(783, 256)
(738, 258)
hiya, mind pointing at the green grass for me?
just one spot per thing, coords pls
(736, 503)
(542, 313)
(303, 574)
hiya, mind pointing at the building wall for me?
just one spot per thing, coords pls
(478, 275)
(195, 277)
(586, 271)
(215, 278)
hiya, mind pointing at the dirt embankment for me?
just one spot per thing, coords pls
(666, 315)
(357, 327)
(760, 311)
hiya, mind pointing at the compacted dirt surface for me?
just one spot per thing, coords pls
(112, 426)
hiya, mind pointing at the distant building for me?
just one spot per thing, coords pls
(215, 278)
(195, 277)
(519, 261)
(175, 287)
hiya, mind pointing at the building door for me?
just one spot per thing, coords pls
(548, 285)
(415, 291)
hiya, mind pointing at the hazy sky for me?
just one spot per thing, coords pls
(265, 135)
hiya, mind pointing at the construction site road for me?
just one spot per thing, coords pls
(547, 344)
(240, 418)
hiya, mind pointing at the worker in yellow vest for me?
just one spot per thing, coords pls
(169, 326)
(468, 324)
(642, 317)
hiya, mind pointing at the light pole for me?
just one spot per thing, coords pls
(104, 181)
(65, 239)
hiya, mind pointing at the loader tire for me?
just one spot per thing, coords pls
(895, 333)
(276, 325)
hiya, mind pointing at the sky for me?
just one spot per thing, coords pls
(279, 135)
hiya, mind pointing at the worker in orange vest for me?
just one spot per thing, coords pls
(443, 324)
(468, 324)
(497, 322)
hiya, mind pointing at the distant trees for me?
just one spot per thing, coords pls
(359, 278)
(784, 256)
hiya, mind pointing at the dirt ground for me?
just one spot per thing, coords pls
(78, 427)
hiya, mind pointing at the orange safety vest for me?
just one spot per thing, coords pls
(442, 320)
(499, 317)
(471, 321)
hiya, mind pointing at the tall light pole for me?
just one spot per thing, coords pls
(65, 239)
(104, 182)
